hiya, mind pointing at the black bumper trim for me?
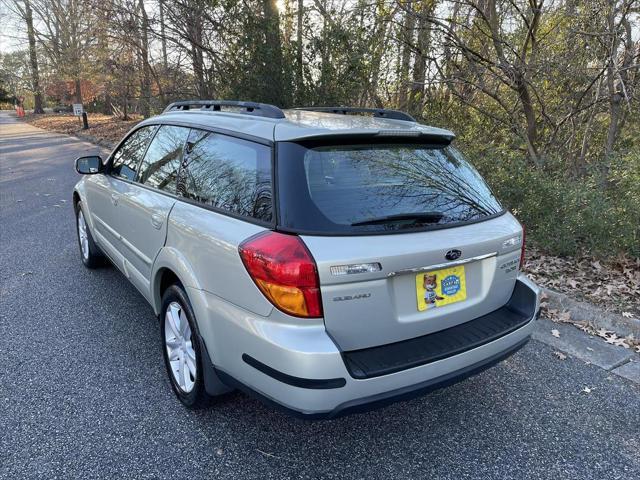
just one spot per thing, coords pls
(366, 404)
(319, 384)
(395, 357)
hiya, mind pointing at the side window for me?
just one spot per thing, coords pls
(160, 165)
(126, 159)
(227, 173)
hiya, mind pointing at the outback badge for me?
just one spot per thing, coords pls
(453, 254)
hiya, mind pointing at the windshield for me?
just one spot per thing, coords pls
(378, 188)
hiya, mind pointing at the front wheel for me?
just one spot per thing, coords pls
(89, 252)
(182, 355)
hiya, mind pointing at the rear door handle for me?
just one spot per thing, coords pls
(157, 220)
(114, 198)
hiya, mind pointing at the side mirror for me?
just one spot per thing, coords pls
(89, 165)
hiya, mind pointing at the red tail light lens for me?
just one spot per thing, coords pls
(524, 237)
(284, 270)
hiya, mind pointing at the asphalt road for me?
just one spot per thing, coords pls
(83, 392)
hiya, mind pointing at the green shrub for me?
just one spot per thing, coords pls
(565, 216)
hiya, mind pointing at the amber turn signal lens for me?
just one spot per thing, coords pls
(289, 299)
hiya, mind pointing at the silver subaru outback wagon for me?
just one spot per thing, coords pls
(326, 260)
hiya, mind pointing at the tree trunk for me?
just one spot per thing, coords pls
(274, 68)
(420, 60)
(518, 72)
(197, 58)
(125, 105)
(405, 57)
(299, 52)
(382, 30)
(617, 87)
(33, 59)
(325, 62)
(107, 110)
(78, 92)
(163, 37)
(530, 116)
(145, 107)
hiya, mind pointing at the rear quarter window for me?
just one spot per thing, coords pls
(227, 173)
(378, 188)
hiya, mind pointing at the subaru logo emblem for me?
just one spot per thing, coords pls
(453, 254)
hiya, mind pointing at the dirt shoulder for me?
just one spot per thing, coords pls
(103, 129)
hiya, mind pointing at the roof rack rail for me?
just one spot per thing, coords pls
(377, 112)
(250, 108)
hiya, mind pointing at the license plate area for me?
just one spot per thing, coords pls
(441, 287)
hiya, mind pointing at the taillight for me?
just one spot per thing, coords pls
(524, 236)
(284, 270)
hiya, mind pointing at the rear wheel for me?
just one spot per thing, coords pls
(89, 252)
(181, 348)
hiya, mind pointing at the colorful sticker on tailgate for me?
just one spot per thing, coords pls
(441, 287)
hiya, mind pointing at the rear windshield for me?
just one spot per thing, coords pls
(371, 188)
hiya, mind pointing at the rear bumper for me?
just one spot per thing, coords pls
(300, 369)
(366, 404)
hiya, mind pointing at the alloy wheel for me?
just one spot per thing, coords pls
(83, 236)
(179, 344)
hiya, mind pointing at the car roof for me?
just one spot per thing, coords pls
(300, 125)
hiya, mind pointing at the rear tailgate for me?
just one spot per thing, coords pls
(362, 310)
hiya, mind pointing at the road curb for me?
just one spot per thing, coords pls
(594, 316)
(579, 344)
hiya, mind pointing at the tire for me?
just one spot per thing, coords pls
(181, 348)
(90, 254)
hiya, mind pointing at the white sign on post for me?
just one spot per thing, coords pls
(77, 109)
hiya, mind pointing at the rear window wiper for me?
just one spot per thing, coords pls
(417, 217)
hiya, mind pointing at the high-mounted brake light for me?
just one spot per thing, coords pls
(284, 270)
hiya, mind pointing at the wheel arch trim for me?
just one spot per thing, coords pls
(80, 195)
(169, 258)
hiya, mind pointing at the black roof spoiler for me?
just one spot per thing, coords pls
(248, 108)
(377, 112)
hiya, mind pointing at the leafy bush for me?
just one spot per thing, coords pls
(563, 215)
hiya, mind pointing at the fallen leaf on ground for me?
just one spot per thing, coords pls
(560, 355)
(615, 340)
(587, 390)
(555, 333)
(564, 316)
(627, 314)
